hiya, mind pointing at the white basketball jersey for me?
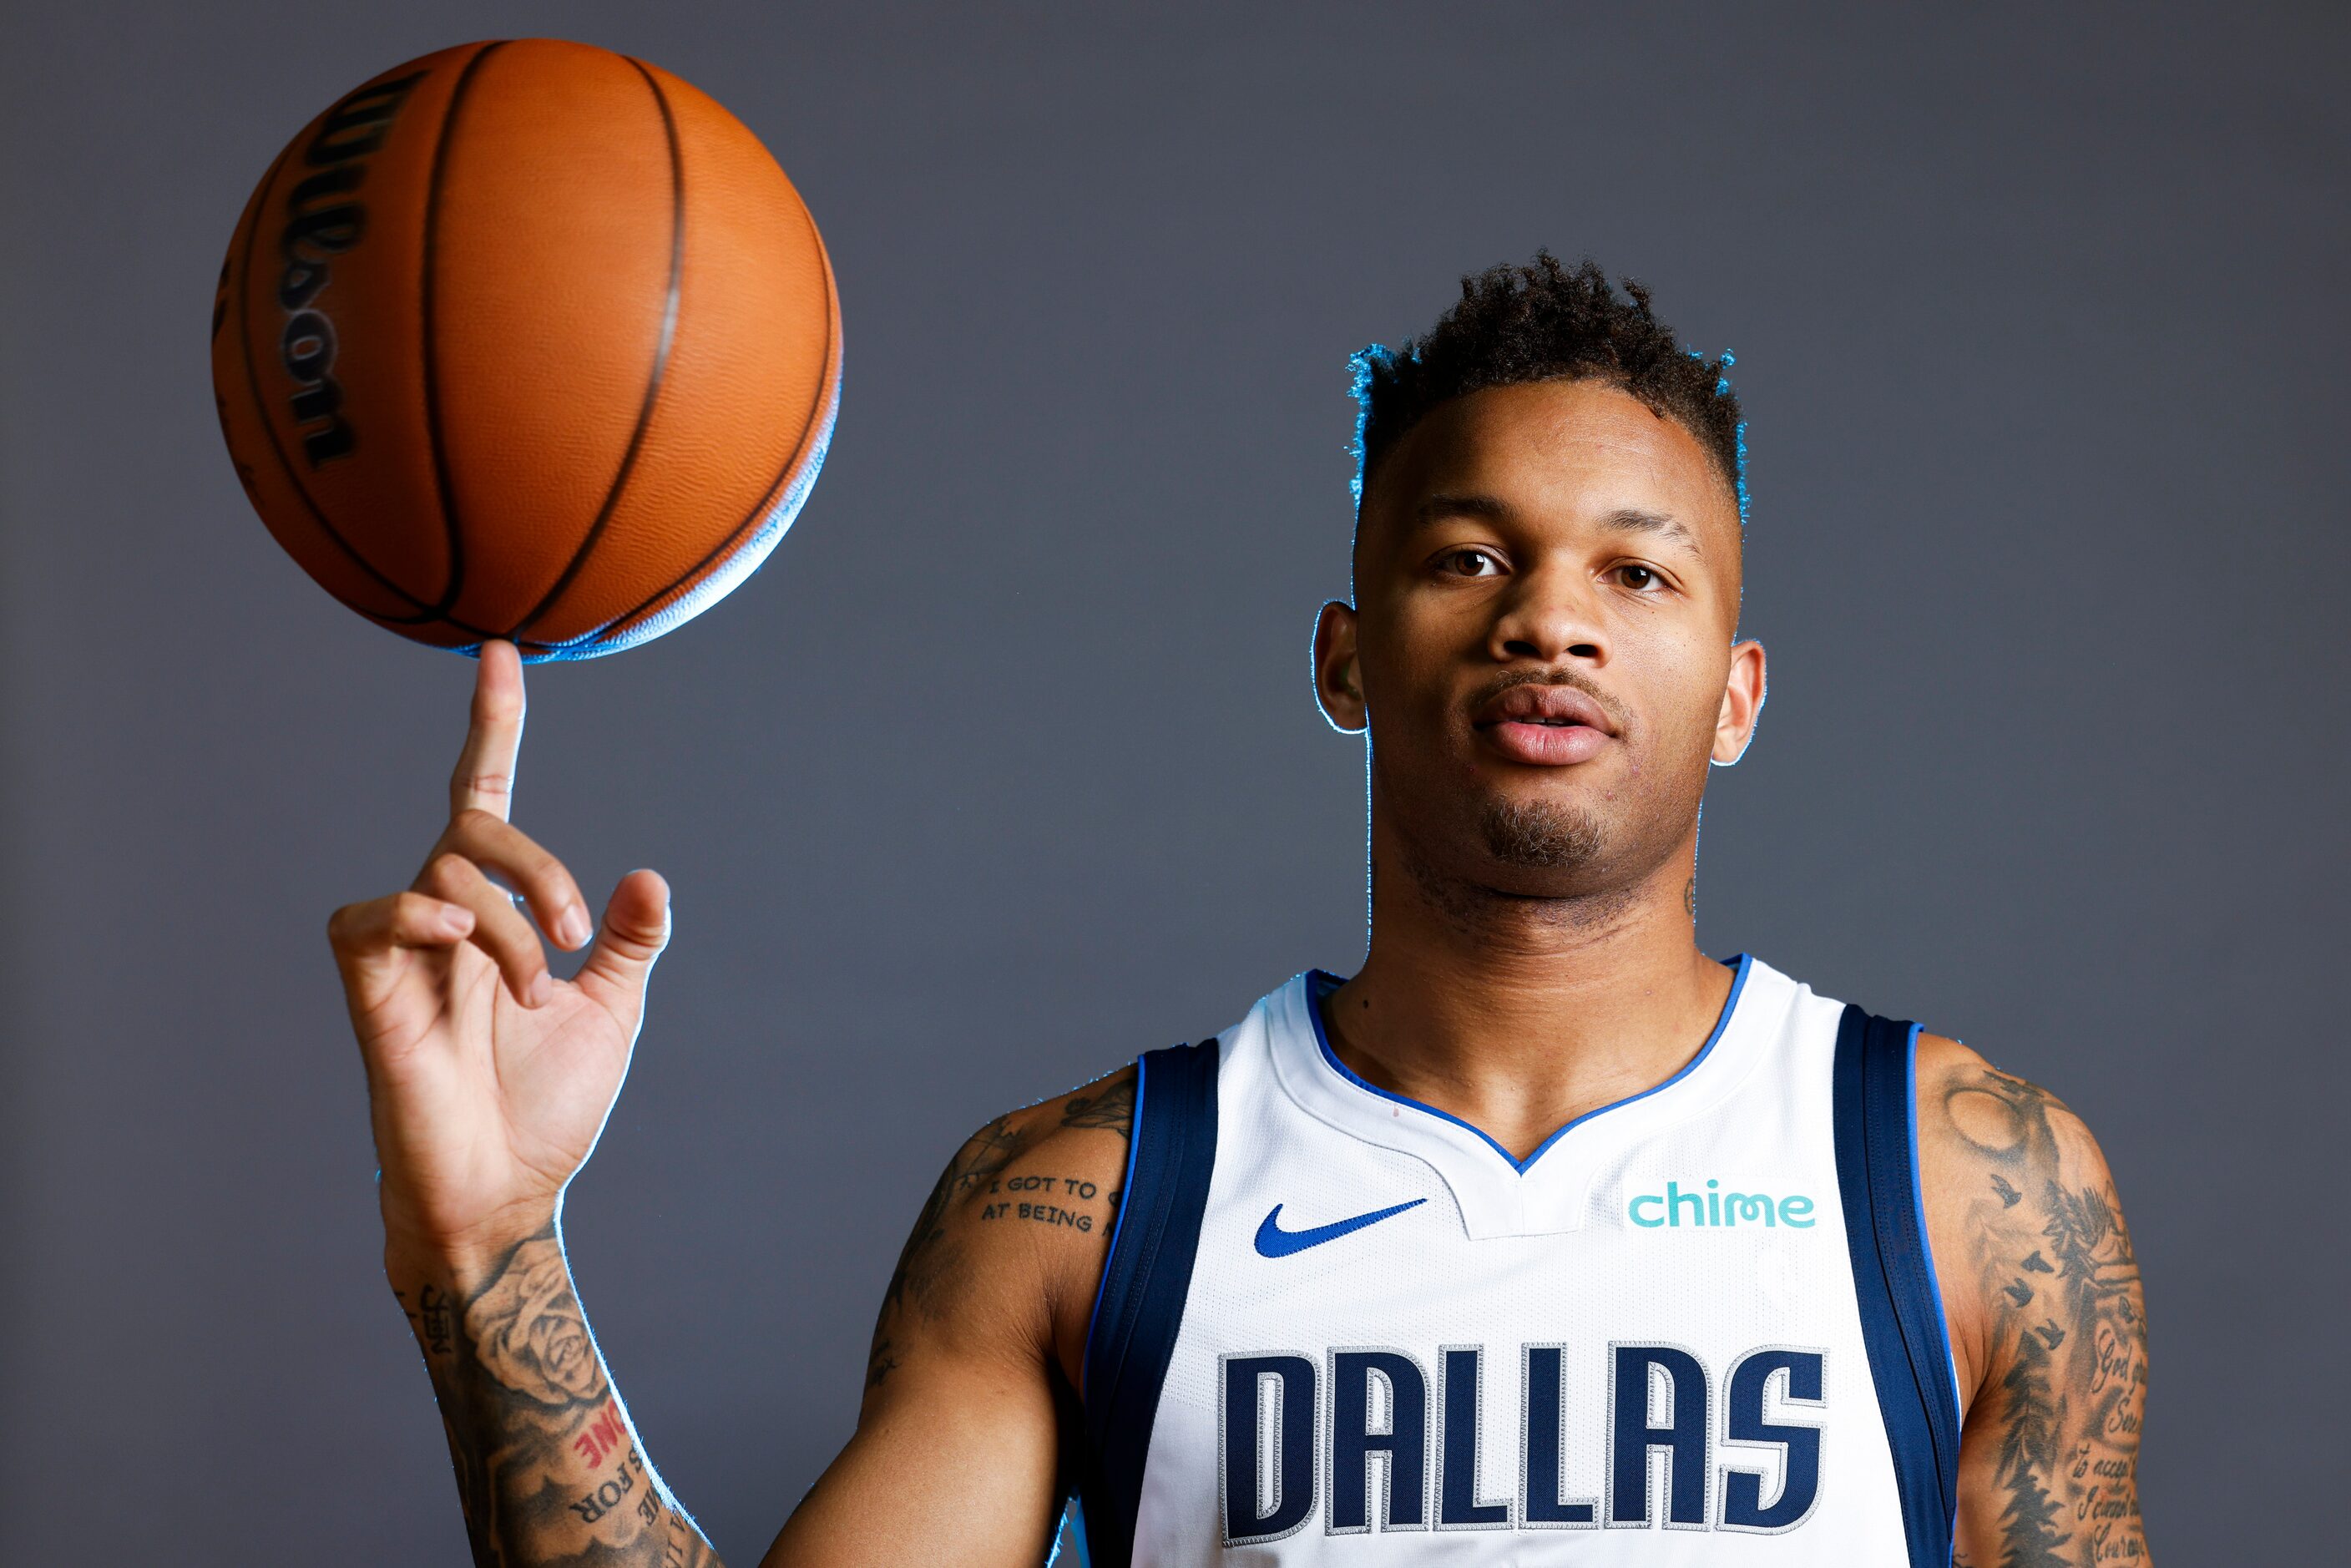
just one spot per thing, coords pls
(1339, 1327)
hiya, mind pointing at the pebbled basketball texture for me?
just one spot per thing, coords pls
(528, 340)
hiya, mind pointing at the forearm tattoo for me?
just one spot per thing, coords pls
(549, 1469)
(2068, 1343)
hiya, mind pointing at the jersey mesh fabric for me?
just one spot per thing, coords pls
(1489, 1257)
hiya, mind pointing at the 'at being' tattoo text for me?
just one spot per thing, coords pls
(933, 1262)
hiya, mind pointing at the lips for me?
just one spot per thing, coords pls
(1544, 726)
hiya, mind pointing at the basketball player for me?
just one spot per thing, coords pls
(1544, 1238)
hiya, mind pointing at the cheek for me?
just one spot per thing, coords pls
(1408, 653)
(1678, 679)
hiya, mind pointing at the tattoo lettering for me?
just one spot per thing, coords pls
(1074, 1186)
(932, 1259)
(431, 1318)
(547, 1468)
(686, 1548)
(607, 1497)
(604, 1433)
(2069, 1333)
(1043, 1213)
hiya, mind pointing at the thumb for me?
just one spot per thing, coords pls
(635, 930)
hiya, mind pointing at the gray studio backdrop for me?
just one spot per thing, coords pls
(1006, 768)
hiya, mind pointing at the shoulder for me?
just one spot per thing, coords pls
(1982, 1129)
(2013, 1181)
(1012, 1238)
(1980, 1121)
(1071, 1148)
(1051, 1168)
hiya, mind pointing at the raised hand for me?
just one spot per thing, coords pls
(488, 1078)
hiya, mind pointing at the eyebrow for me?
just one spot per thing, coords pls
(1442, 505)
(1632, 520)
(1624, 520)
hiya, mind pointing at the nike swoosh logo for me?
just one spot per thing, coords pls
(1274, 1241)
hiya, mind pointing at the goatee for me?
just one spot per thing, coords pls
(1539, 835)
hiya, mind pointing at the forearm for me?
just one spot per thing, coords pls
(549, 1467)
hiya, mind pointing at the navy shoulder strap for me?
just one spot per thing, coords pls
(1902, 1321)
(1140, 1304)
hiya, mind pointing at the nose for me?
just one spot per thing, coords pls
(1550, 616)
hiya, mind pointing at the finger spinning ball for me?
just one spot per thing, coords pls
(527, 339)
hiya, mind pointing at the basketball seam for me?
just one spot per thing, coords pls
(269, 431)
(825, 384)
(579, 561)
(442, 478)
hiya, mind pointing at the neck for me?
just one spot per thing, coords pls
(1519, 1014)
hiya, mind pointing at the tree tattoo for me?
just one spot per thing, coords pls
(1112, 1108)
(2052, 1256)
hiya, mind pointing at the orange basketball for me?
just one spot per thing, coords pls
(527, 339)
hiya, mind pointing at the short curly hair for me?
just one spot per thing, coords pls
(1547, 321)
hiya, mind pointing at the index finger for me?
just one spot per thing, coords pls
(485, 768)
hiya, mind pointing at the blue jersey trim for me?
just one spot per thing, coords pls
(1918, 1208)
(1902, 1325)
(1117, 1227)
(1139, 1306)
(1320, 983)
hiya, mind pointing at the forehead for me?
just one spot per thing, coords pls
(1561, 452)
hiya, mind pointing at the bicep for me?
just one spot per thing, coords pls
(953, 1463)
(957, 1451)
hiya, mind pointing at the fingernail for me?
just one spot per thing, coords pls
(456, 920)
(572, 929)
(541, 988)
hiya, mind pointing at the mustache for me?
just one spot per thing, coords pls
(1557, 677)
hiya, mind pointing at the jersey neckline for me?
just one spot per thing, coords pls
(1320, 983)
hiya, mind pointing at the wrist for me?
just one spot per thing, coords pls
(462, 1260)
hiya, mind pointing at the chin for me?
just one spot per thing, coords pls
(1540, 835)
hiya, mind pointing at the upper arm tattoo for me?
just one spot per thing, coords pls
(927, 1257)
(2066, 1387)
(933, 1261)
(1114, 1108)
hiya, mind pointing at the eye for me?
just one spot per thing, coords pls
(1470, 561)
(1640, 579)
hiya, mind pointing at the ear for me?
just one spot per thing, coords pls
(1742, 703)
(1338, 683)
